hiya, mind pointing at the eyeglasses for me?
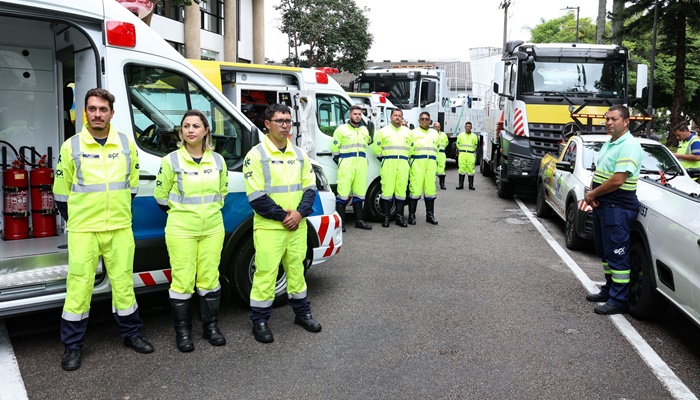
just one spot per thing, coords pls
(424, 119)
(282, 122)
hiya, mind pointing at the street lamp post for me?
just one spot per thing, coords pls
(577, 11)
(650, 108)
(504, 6)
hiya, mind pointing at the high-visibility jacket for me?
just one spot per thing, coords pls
(467, 142)
(690, 147)
(97, 181)
(424, 144)
(284, 177)
(194, 192)
(392, 143)
(349, 141)
(623, 155)
(443, 141)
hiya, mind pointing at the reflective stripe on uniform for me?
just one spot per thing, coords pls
(265, 163)
(181, 198)
(80, 186)
(620, 276)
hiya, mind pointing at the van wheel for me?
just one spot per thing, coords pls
(373, 208)
(543, 209)
(573, 240)
(505, 189)
(643, 300)
(242, 269)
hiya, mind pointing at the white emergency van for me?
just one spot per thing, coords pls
(46, 48)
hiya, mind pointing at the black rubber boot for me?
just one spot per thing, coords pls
(340, 209)
(399, 214)
(442, 182)
(412, 206)
(430, 211)
(386, 207)
(209, 311)
(471, 182)
(461, 182)
(183, 324)
(360, 217)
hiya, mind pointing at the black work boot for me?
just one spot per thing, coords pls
(386, 207)
(412, 206)
(471, 182)
(183, 324)
(442, 182)
(360, 217)
(209, 311)
(461, 182)
(340, 209)
(399, 214)
(430, 211)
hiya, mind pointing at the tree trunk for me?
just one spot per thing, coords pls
(617, 22)
(600, 25)
(678, 102)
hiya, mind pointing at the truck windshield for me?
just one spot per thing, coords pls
(589, 77)
(402, 90)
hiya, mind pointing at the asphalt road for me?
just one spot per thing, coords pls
(478, 307)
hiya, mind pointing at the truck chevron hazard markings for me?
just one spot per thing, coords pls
(326, 232)
(518, 123)
(583, 206)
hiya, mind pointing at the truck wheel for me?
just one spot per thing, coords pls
(505, 189)
(242, 269)
(543, 209)
(373, 208)
(643, 300)
(573, 240)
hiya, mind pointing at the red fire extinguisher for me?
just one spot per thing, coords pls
(16, 194)
(43, 207)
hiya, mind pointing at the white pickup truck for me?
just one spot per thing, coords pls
(665, 251)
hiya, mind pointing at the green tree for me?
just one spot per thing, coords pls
(677, 75)
(333, 33)
(563, 30)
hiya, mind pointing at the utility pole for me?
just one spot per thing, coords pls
(577, 11)
(504, 6)
(652, 67)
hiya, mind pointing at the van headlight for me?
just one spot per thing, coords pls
(321, 180)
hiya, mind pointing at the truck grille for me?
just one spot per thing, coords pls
(545, 138)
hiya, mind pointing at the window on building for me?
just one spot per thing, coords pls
(168, 9)
(209, 55)
(177, 46)
(213, 16)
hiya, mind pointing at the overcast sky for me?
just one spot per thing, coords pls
(438, 29)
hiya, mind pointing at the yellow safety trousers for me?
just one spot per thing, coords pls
(467, 161)
(273, 246)
(352, 178)
(117, 250)
(194, 260)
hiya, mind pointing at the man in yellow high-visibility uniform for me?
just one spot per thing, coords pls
(467, 142)
(392, 146)
(350, 152)
(423, 169)
(689, 147)
(443, 142)
(281, 188)
(96, 178)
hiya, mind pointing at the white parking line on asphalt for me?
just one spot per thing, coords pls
(663, 372)
(10, 380)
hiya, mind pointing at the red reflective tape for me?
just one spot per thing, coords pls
(168, 275)
(323, 229)
(329, 250)
(337, 220)
(147, 279)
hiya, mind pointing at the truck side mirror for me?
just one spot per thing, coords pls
(495, 87)
(642, 72)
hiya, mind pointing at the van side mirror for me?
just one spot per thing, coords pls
(565, 166)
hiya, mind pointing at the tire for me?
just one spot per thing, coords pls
(643, 300)
(242, 269)
(543, 209)
(505, 189)
(573, 240)
(485, 168)
(373, 208)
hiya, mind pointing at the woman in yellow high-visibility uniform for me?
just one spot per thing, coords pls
(191, 186)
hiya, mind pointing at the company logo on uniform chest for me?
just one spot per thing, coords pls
(112, 155)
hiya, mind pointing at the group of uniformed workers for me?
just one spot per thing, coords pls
(614, 201)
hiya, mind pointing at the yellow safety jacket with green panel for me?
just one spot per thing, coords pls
(194, 192)
(393, 143)
(97, 181)
(284, 177)
(467, 142)
(424, 144)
